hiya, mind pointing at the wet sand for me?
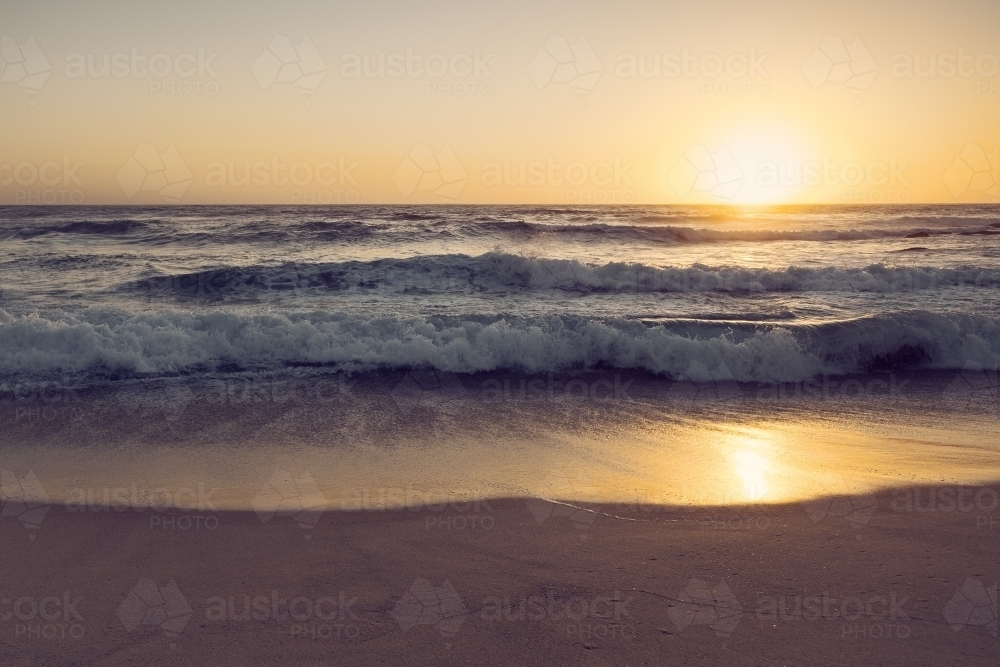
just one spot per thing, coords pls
(607, 584)
(380, 440)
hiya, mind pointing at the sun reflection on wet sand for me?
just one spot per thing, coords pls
(688, 462)
(787, 461)
(751, 468)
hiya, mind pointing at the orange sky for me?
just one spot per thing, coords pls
(476, 102)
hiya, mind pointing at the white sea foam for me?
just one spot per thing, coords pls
(101, 342)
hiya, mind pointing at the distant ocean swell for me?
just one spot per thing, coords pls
(103, 343)
(670, 234)
(501, 272)
(408, 227)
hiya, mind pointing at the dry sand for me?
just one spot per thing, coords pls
(623, 586)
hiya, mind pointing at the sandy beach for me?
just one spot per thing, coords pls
(511, 582)
(194, 523)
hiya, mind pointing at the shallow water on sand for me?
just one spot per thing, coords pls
(386, 440)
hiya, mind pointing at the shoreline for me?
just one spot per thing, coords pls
(432, 438)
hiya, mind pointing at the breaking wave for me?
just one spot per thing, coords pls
(105, 343)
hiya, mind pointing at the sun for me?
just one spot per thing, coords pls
(770, 158)
(753, 164)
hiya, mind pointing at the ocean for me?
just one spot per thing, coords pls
(475, 350)
(107, 293)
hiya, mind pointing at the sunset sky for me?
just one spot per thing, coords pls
(486, 102)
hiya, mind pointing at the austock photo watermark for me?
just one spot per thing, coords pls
(718, 386)
(56, 181)
(23, 64)
(872, 616)
(849, 61)
(41, 618)
(600, 617)
(577, 181)
(297, 61)
(293, 496)
(882, 616)
(837, 60)
(719, 174)
(284, 494)
(165, 173)
(856, 504)
(970, 504)
(284, 62)
(298, 497)
(453, 74)
(702, 171)
(450, 393)
(169, 399)
(975, 172)
(190, 73)
(842, 61)
(324, 617)
(430, 173)
(733, 74)
(162, 607)
(975, 388)
(874, 182)
(184, 508)
(550, 388)
(318, 618)
(730, 74)
(149, 169)
(330, 181)
(977, 67)
(562, 62)
(45, 402)
(832, 388)
(718, 609)
(441, 174)
(440, 510)
(249, 391)
(167, 74)
(24, 499)
(973, 605)
(441, 608)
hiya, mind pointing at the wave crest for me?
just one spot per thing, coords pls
(104, 343)
(500, 272)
